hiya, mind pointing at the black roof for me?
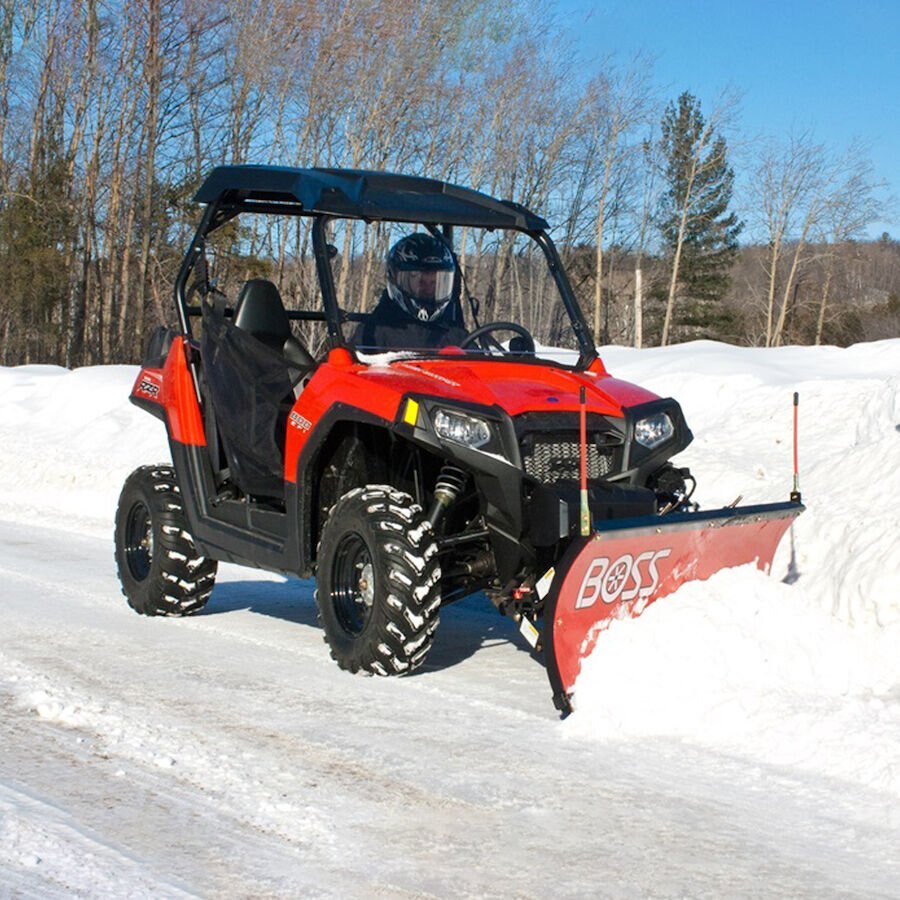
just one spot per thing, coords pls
(353, 193)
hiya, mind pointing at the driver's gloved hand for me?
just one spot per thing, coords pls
(518, 344)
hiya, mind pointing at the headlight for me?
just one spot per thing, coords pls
(653, 430)
(469, 431)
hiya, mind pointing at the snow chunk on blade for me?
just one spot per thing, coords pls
(626, 565)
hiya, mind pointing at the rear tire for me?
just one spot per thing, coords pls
(158, 565)
(378, 582)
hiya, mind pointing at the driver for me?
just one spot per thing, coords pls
(416, 309)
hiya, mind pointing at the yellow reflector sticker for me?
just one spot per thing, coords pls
(411, 416)
(529, 632)
(543, 585)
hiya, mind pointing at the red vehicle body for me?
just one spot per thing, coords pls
(380, 390)
(408, 478)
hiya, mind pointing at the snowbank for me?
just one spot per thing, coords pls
(806, 675)
(67, 442)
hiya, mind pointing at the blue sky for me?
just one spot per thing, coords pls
(829, 67)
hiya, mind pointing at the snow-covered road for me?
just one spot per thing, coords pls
(225, 755)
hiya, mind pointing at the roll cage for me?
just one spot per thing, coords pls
(326, 194)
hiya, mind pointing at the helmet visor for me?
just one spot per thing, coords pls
(428, 287)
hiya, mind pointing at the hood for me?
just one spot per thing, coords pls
(516, 387)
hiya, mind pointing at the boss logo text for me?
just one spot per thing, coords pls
(625, 578)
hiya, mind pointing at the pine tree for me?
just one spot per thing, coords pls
(698, 232)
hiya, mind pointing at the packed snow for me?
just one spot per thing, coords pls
(742, 738)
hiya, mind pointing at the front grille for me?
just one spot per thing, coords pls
(550, 458)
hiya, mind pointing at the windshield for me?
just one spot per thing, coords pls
(400, 288)
(405, 289)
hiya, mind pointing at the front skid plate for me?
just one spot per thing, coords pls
(626, 565)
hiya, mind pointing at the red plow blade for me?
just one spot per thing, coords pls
(626, 565)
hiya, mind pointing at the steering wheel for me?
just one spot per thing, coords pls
(482, 336)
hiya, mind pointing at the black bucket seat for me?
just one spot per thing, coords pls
(253, 366)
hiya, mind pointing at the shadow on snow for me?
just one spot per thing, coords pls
(470, 625)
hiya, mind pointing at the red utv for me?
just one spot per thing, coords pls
(406, 478)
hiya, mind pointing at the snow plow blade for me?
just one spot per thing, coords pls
(625, 565)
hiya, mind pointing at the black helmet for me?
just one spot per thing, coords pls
(420, 271)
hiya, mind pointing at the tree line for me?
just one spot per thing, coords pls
(111, 114)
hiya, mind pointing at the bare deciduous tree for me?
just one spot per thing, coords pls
(853, 205)
(619, 102)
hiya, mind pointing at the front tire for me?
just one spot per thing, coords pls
(378, 582)
(158, 565)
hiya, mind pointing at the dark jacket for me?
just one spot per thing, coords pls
(388, 327)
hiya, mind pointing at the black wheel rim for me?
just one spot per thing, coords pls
(352, 587)
(139, 541)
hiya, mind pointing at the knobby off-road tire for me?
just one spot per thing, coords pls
(160, 570)
(378, 582)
